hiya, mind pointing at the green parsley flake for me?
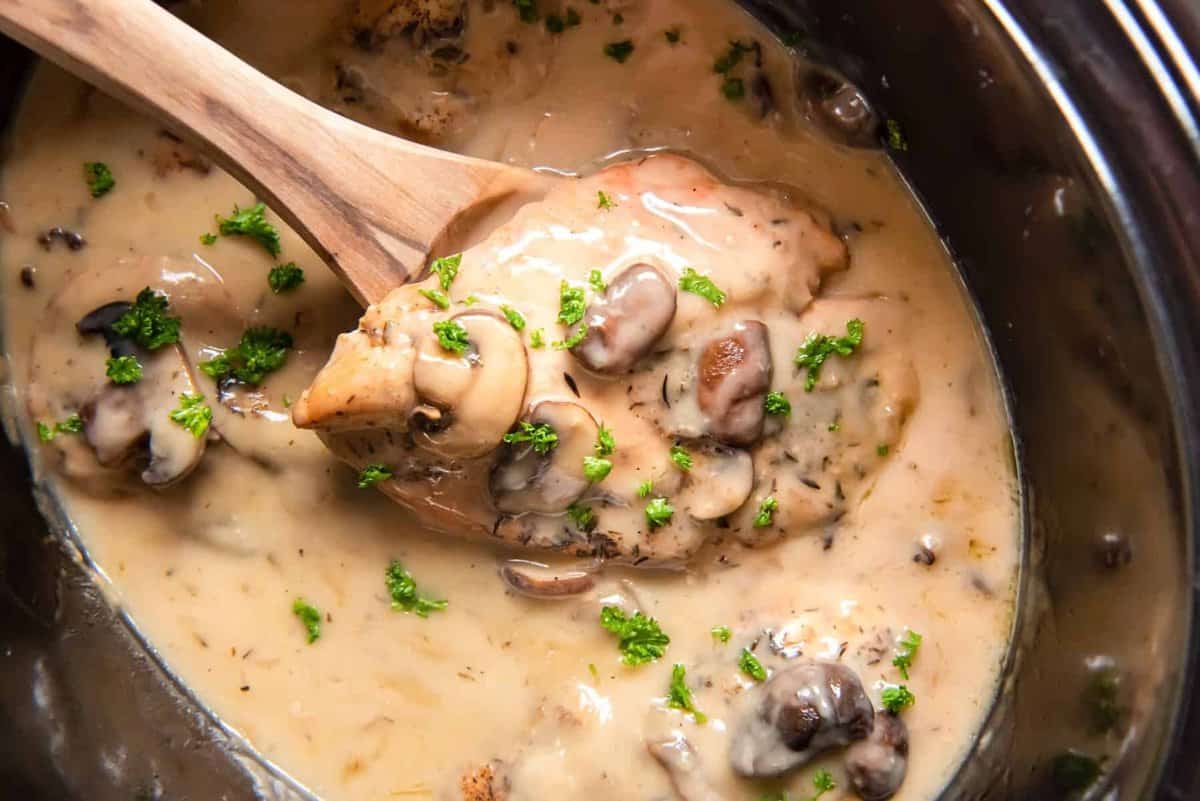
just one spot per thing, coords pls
(310, 617)
(894, 136)
(596, 469)
(766, 512)
(733, 89)
(541, 437)
(641, 638)
(537, 338)
(251, 222)
(672, 34)
(72, 425)
(910, 643)
(572, 340)
(645, 488)
(45, 433)
(619, 51)
(285, 277)
(731, 57)
(403, 589)
(896, 699)
(605, 443)
(658, 513)
(882, 449)
(452, 336)
(555, 23)
(605, 201)
(146, 322)
(527, 10)
(208, 239)
(721, 634)
(436, 296)
(584, 517)
(261, 351)
(834, 427)
(749, 664)
(99, 178)
(193, 414)
(822, 783)
(123, 370)
(681, 458)
(777, 404)
(446, 269)
(1074, 771)
(514, 317)
(372, 474)
(702, 285)
(571, 304)
(679, 695)
(819, 347)
(596, 280)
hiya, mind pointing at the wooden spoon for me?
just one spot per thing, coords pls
(372, 205)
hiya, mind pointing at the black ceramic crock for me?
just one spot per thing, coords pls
(1056, 146)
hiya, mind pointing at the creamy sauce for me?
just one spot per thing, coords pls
(388, 705)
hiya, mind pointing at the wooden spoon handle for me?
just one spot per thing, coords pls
(372, 205)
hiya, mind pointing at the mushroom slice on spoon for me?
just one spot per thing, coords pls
(624, 325)
(718, 483)
(528, 480)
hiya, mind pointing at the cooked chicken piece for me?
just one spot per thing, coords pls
(622, 333)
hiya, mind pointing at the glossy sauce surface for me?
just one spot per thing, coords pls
(387, 704)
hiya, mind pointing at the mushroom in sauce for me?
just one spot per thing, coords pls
(624, 325)
(798, 713)
(876, 765)
(546, 480)
(734, 377)
(718, 483)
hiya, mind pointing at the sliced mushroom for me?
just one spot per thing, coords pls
(467, 402)
(524, 480)
(734, 377)
(839, 109)
(719, 482)
(679, 759)
(795, 715)
(537, 580)
(624, 324)
(877, 765)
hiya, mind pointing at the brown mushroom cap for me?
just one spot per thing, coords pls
(536, 580)
(734, 377)
(877, 765)
(624, 324)
(466, 402)
(524, 480)
(795, 715)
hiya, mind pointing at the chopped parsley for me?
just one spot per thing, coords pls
(527, 10)
(721, 634)
(819, 347)
(619, 51)
(124, 370)
(834, 427)
(702, 285)
(537, 338)
(733, 89)
(596, 469)
(310, 616)
(679, 695)
(749, 664)
(645, 488)
(541, 437)
(99, 178)
(251, 222)
(72, 425)
(446, 269)
(604, 200)
(658, 513)
(372, 474)
(910, 643)
(731, 57)
(1102, 699)
(452, 336)
(1074, 771)
(571, 304)
(766, 512)
(672, 34)
(777, 404)
(882, 449)
(897, 699)
(436, 296)
(596, 281)
(584, 517)
(261, 350)
(208, 239)
(285, 277)
(555, 23)
(822, 783)
(403, 589)
(571, 341)
(514, 317)
(641, 638)
(193, 414)
(894, 136)
(681, 458)
(605, 443)
(146, 322)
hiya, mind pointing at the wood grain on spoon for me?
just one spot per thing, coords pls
(371, 205)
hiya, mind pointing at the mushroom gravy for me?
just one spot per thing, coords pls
(912, 527)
